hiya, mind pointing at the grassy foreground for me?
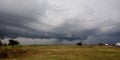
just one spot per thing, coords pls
(59, 52)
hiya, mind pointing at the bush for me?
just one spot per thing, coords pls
(0, 43)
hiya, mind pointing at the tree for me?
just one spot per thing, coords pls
(80, 44)
(101, 44)
(13, 42)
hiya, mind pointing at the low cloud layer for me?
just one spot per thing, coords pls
(98, 19)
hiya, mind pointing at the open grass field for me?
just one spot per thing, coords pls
(59, 52)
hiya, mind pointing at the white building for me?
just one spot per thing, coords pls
(106, 44)
(117, 44)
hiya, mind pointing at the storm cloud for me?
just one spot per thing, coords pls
(98, 19)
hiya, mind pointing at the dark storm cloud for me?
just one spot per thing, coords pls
(19, 13)
(98, 19)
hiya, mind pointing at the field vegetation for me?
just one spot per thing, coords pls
(59, 52)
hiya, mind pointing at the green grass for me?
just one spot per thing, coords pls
(60, 52)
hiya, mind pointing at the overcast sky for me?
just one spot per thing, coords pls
(99, 19)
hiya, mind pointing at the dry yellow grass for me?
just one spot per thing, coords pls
(61, 52)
